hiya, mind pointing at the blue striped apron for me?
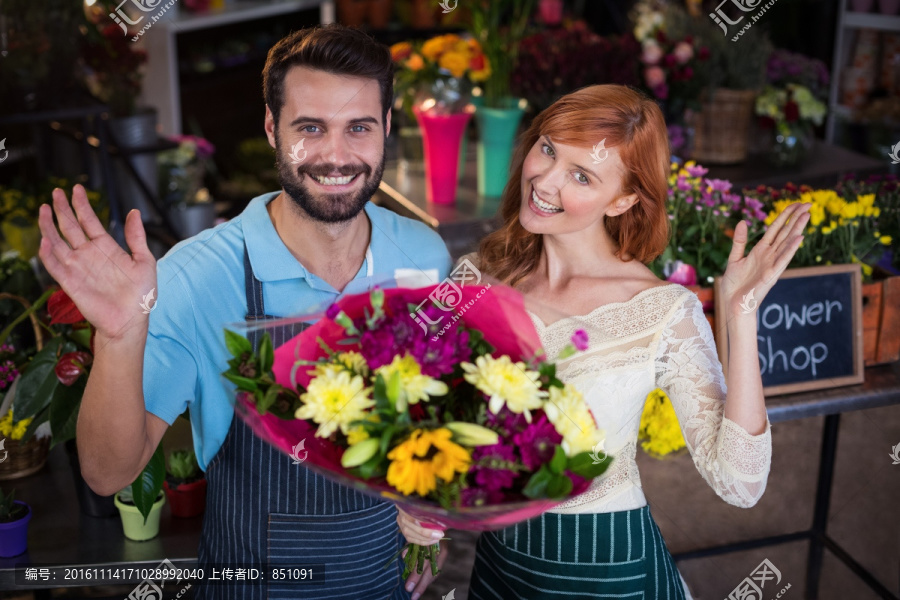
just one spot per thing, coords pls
(572, 556)
(263, 509)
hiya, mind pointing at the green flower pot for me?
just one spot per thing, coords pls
(133, 521)
(496, 134)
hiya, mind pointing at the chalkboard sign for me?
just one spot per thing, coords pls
(809, 330)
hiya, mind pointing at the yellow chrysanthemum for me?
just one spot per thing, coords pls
(6, 425)
(454, 62)
(432, 48)
(506, 383)
(354, 361)
(13, 432)
(426, 455)
(334, 399)
(413, 385)
(660, 432)
(572, 418)
(886, 240)
(415, 62)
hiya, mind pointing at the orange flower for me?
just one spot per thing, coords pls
(454, 62)
(415, 63)
(400, 51)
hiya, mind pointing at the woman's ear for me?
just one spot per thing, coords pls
(621, 204)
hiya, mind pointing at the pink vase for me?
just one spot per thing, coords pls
(889, 7)
(551, 11)
(441, 138)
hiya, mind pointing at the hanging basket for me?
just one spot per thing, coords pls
(721, 129)
(23, 459)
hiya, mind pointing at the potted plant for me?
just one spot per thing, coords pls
(185, 484)
(500, 26)
(140, 503)
(730, 79)
(14, 518)
(789, 114)
(114, 73)
(181, 175)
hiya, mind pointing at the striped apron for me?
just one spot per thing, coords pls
(593, 555)
(262, 509)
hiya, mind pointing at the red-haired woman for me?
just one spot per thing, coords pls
(583, 212)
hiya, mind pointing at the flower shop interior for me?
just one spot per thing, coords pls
(157, 106)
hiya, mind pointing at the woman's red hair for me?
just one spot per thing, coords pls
(630, 122)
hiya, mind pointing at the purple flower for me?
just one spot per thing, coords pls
(580, 339)
(682, 184)
(493, 476)
(477, 496)
(333, 311)
(697, 171)
(507, 422)
(537, 442)
(719, 185)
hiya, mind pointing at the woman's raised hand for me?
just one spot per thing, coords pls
(749, 278)
(106, 283)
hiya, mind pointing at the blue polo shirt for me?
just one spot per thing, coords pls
(201, 291)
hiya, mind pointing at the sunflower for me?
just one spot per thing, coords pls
(420, 460)
(334, 399)
(506, 383)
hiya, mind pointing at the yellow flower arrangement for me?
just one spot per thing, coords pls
(426, 455)
(13, 432)
(334, 399)
(413, 385)
(841, 230)
(659, 432)
(507, 383)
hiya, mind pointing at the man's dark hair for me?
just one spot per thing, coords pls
(331, 48)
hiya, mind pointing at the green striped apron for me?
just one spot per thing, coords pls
(593, 555)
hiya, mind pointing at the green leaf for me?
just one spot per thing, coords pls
(237, 344)
(379, 394)
(243, 383)
(393, 388)
(148, 485)
(38, 420)
(39, 382)
(64, 411)
(582, 464)
(266, 354)
(269, 398)
(537, 483)
(386, 436)
(558, 462)
(559, 486)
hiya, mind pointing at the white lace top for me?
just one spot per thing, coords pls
(658, 338)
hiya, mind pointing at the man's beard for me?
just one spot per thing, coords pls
(327, 208)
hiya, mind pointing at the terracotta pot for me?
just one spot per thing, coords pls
(187, 499)
(881, 321)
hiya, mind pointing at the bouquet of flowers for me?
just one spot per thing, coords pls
(843, 228)
(440, 399)
(181, 169)
(437, 67)
(779, 107)
(786, 67)
(703, 213)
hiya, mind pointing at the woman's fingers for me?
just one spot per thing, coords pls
(68, 224)
(739, 243)
(415, 532)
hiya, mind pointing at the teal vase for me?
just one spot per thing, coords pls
(496, 134)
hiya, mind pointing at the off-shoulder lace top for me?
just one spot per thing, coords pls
(658, 338)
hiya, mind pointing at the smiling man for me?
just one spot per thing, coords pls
(328, 93)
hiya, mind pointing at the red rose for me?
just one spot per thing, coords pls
(71, 365)
(791, 111)
(62, 310)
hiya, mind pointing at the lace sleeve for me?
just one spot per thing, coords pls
(733, 462)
